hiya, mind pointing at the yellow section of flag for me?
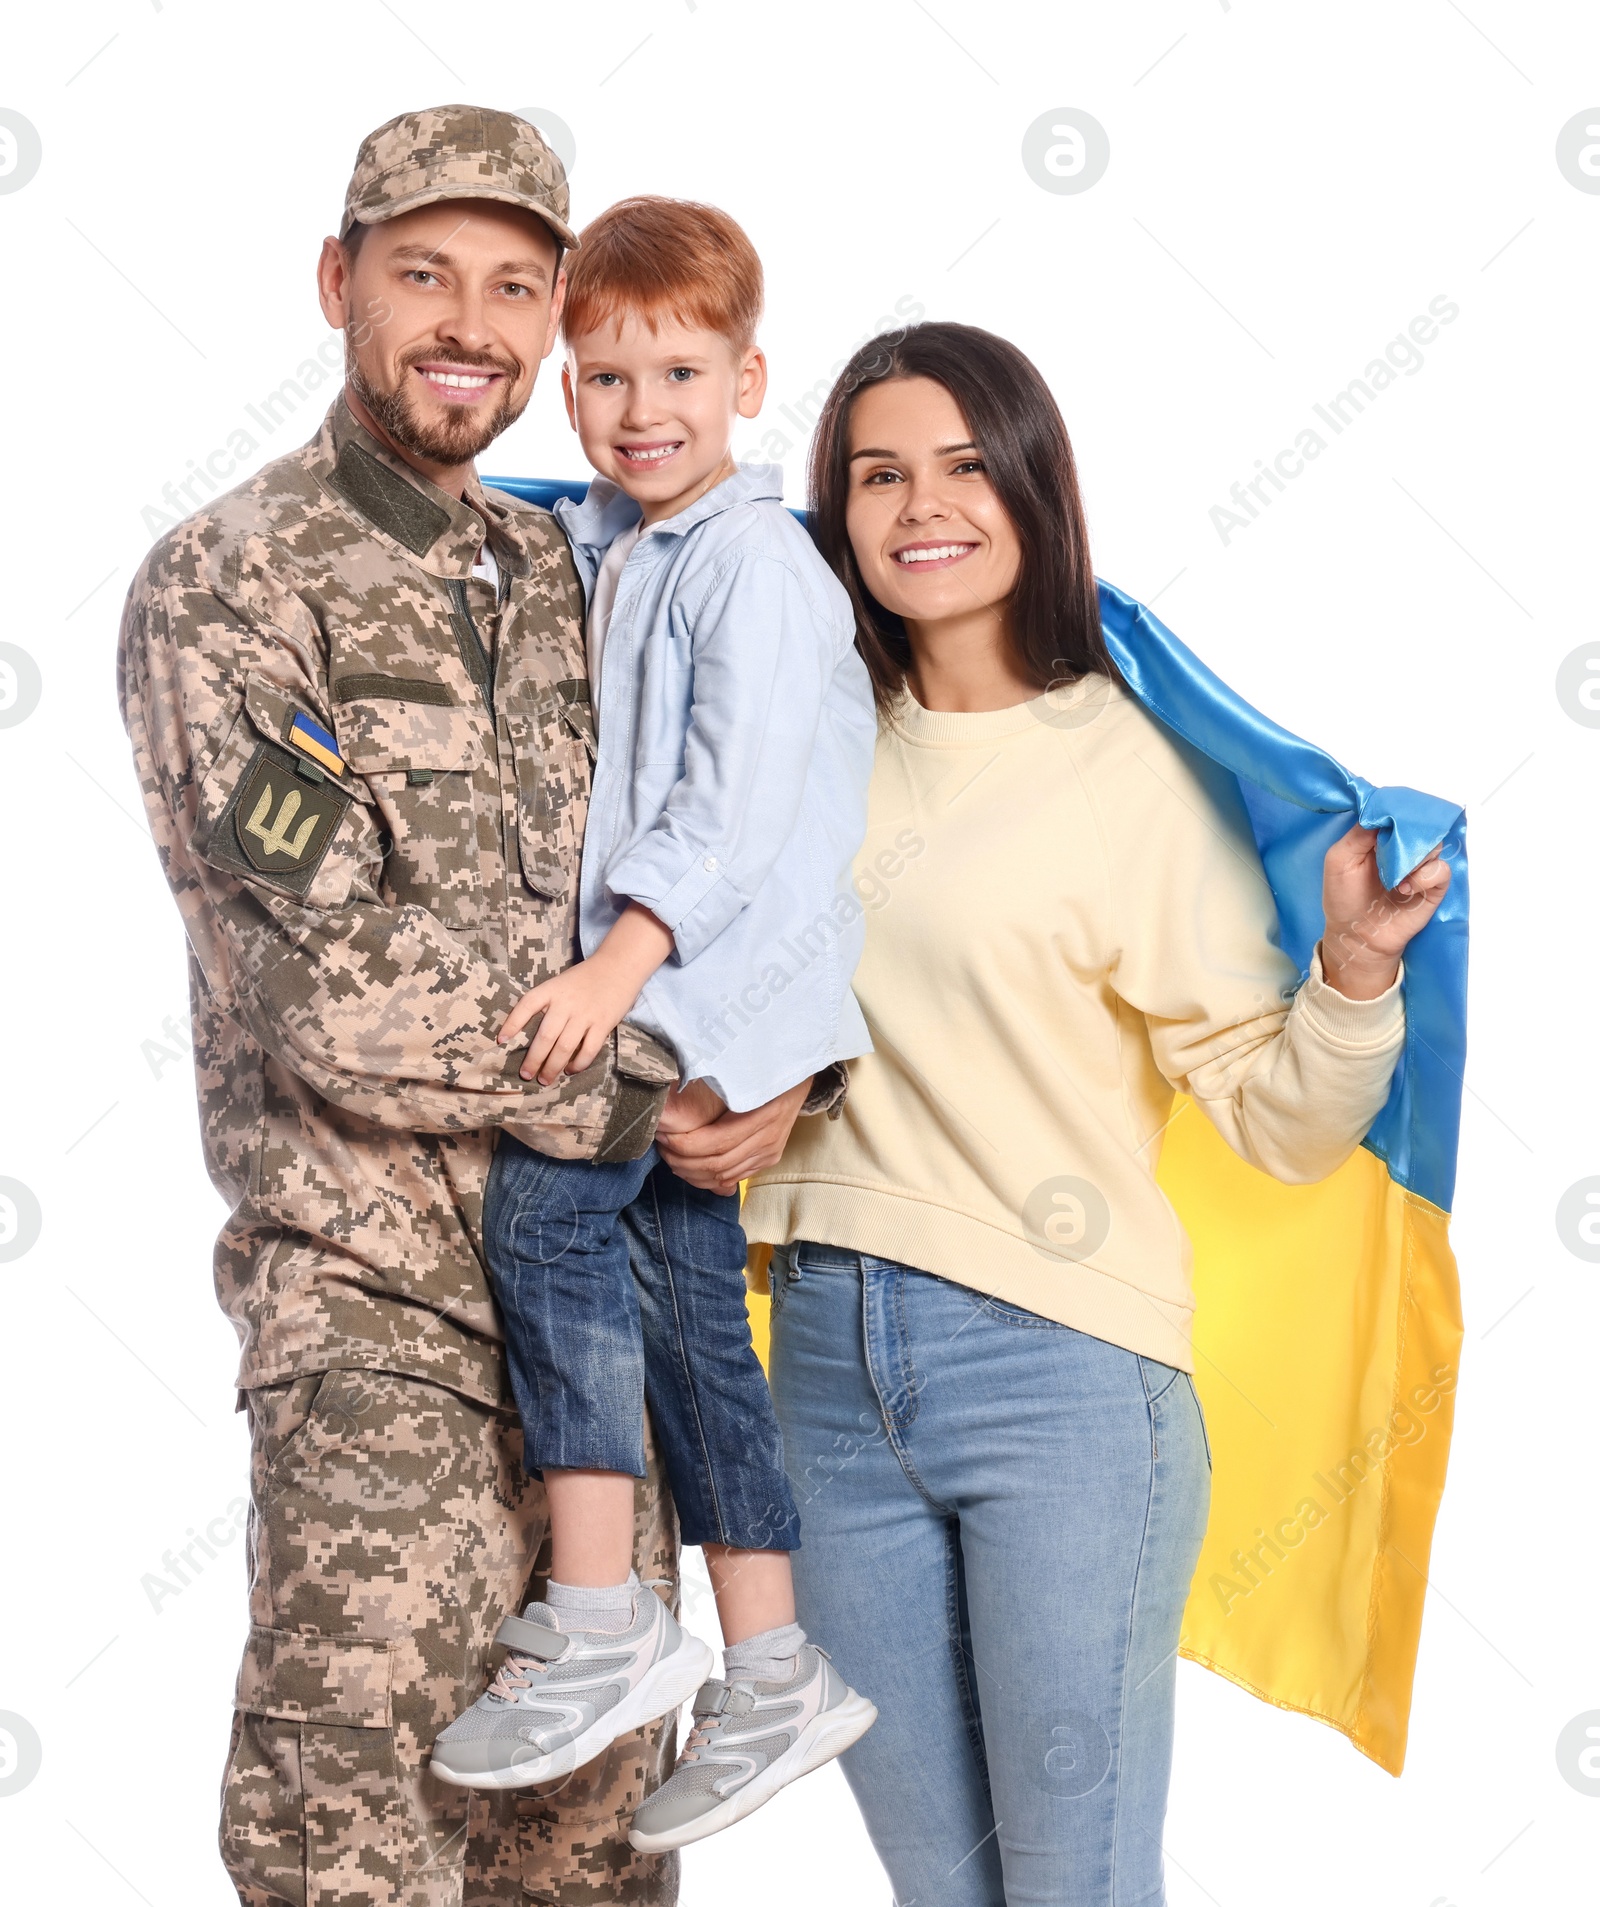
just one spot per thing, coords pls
(317, 744)
(1327, 1343)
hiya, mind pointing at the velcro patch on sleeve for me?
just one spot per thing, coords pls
(276, 823)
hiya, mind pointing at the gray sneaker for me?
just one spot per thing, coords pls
(561, 1698)
(749, 1740)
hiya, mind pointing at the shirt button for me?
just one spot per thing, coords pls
(711, 864)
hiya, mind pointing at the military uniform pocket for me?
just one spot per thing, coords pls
(552, 754)
(339, 1680)
(393, 724)
(577, 711)
(418, 751)
(316, 1801)
(279, 1416)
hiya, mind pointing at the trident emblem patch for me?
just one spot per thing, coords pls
(283, 823)
(276, 839)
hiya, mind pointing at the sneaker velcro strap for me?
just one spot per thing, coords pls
(532, 1638)
(712, 1699)
(722, 1698)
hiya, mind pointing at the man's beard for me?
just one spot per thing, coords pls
(459, 436)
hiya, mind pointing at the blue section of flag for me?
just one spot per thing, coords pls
(1300, 801)
(545, 492)
(326, 743)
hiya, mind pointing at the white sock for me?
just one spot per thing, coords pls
(768, 1657)
(606, 1611)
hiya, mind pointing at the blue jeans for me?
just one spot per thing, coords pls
(619, 1284)
(1002, 1518)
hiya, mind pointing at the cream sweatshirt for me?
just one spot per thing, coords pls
(1067, 923)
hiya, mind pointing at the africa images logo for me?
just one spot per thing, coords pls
(20, 150)
(1578, 685)
(20, 1220)
(20, 685)
(1066, 1217)
(1066, 150)
(21, 1752)
(1578, 150)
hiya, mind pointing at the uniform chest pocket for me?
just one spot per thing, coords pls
(552, 739)
(419, 751)
(389, 724)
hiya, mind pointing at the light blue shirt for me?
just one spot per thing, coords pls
(736, 731)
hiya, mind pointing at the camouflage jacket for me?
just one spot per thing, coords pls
(367, 779)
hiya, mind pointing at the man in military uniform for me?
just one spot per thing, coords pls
(356, 694)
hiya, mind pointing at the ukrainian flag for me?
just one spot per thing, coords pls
(314, 740)
(1328, 1317)
(1327, 1327)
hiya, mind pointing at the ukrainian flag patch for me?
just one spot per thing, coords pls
(316, 742)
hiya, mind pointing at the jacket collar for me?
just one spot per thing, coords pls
(606, 511)
(442, 532)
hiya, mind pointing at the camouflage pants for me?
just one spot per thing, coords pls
(392, 1527)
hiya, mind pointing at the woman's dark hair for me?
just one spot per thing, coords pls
(1017, 426)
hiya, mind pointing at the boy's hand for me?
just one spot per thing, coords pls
(581, 1009)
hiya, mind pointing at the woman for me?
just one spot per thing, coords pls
(980, 1296)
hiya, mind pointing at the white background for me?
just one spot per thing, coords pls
(1289, 185)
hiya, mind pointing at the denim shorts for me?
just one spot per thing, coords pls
(620, 1285)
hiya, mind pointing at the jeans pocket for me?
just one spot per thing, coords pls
(1199, 1411)
(1158, 1378)
(1014, 1313)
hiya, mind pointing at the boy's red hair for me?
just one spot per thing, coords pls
(661, 258)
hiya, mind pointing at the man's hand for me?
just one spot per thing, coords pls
(1369, 926)
(716, 1157)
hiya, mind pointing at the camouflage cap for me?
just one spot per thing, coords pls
(456, 152)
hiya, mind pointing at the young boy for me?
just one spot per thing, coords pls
(735, 741)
